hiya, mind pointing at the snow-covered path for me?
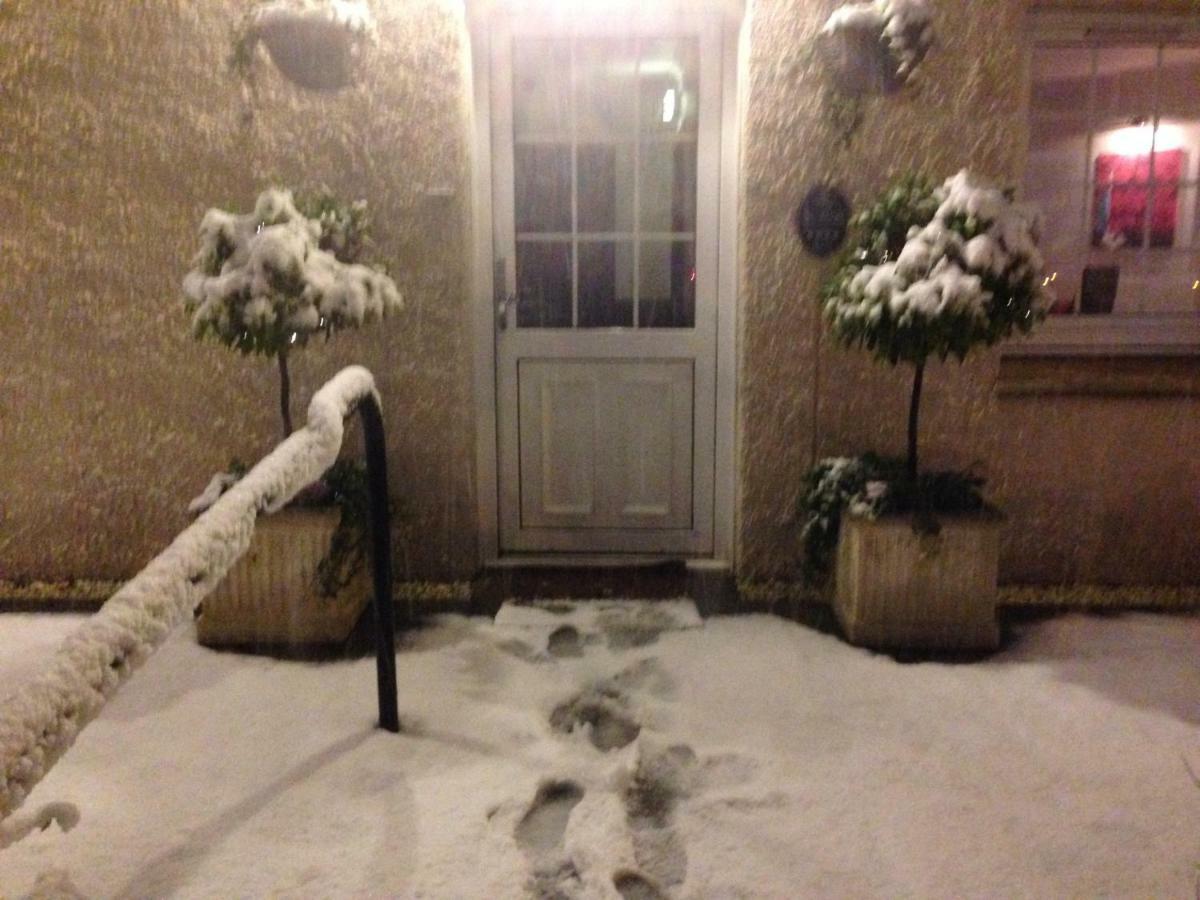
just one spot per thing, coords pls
(769, 761)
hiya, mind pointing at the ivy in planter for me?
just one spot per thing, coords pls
(344, 487)
(873, 486)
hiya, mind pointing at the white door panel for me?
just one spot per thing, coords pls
(606, 444)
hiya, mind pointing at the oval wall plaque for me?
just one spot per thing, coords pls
(821, 220)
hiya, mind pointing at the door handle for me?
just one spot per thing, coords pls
(500, 293)
(502, 306)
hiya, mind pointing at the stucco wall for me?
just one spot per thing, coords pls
(119, 125)
(799, 396)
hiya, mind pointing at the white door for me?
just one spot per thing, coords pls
(605, 163)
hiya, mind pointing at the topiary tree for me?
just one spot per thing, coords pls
(266, 282)
(936, 271)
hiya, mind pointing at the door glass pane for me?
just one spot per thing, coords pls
(541, 86)
(668, 186)
(604, 87)
(605, 284)
(668, 85)
(544, 284)
(667, 285)
(605, 180)
(542, 187)
(605, 187)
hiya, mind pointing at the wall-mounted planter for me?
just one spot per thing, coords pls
(270, 597)
(897, 589)
(859, 62)
(317, 44)
(874, 47)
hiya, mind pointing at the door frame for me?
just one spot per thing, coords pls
(733, 50)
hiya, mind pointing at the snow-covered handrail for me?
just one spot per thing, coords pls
(41, 720)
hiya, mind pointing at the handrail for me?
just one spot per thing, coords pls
(381, 562)
(40, 721)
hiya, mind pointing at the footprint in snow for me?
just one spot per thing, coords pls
(661, 778)
(540, 835)
(565, 642)
(633, 886)
(605, 711)
(541, 829)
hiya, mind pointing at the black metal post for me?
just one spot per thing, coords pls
(381, 559)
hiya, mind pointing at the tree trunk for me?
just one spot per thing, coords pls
(913, 415)
(285, 393)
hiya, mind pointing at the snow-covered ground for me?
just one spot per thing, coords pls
(769, 761)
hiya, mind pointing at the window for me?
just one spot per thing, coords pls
(1114, 163)
(604, 178)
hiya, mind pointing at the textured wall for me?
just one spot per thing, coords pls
(799, 395)
(1098, 472)
(1100, 490)
(119, 125)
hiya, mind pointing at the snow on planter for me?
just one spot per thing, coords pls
(41, 720)
(902, 30)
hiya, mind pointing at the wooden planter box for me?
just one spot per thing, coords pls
(270, 597)
(897, 589)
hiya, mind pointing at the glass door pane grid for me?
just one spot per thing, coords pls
(572, 118)
(635, 238)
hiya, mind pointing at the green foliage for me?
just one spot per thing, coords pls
(872, 486)
(883, 227)
(343, 485)
(345, 227)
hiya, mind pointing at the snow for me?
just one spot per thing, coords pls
(906, 26)
(855, 15)
(939, 271)
(42, 718)
(772, 762)
(353, 15)
(270, 266)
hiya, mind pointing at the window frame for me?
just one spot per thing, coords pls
(1106, 335)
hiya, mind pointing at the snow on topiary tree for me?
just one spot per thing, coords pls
(266, 282)
(936, 271)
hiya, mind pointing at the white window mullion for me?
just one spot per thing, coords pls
(637, 184)
(574, 187)
(1089, 169)
(1152, 187)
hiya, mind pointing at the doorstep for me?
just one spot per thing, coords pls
(709, 584)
